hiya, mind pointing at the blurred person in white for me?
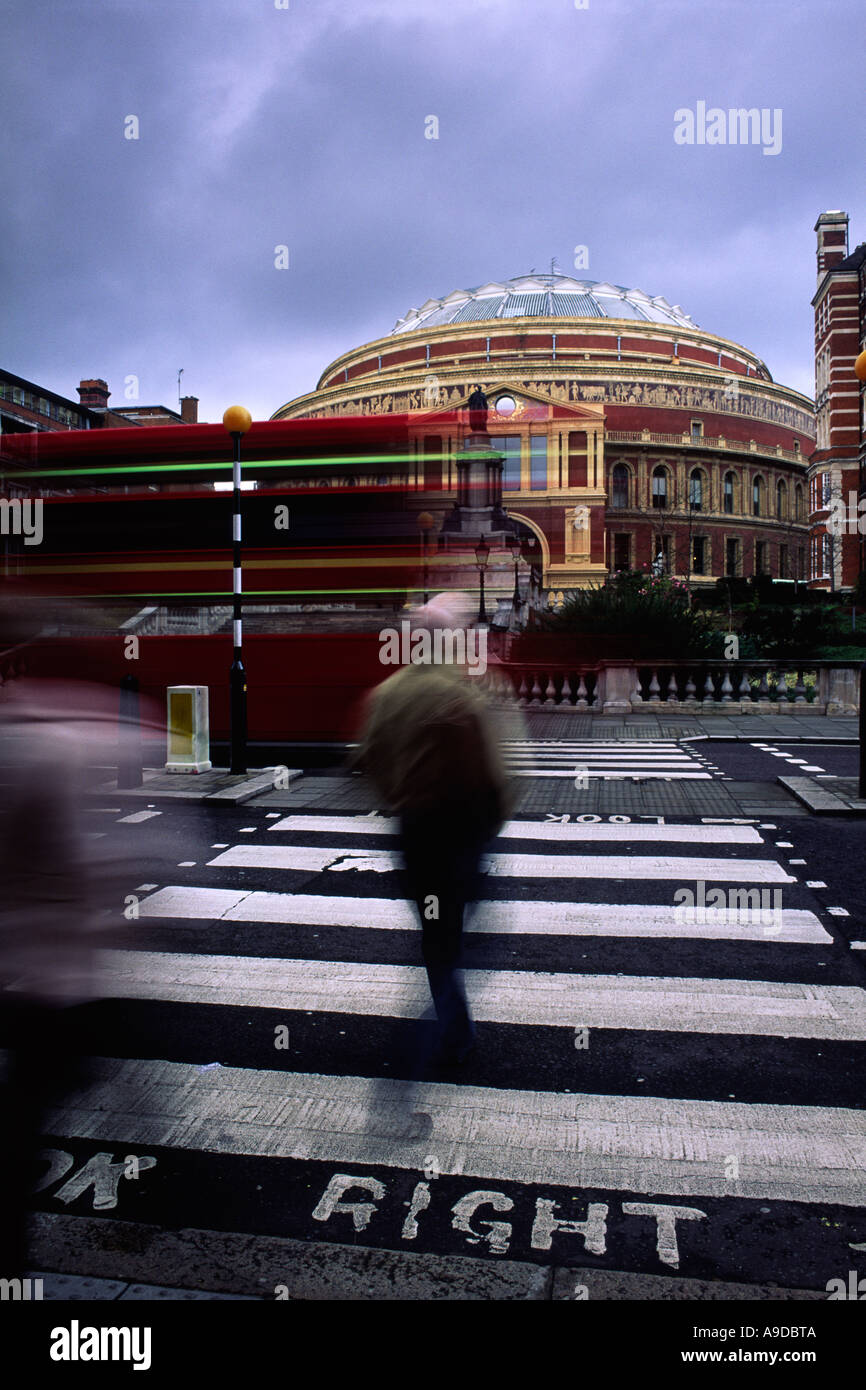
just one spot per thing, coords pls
(431, 746)
(62, 894)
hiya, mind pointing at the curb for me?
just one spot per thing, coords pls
(240, 787)
(819, 800)
(118, 1259)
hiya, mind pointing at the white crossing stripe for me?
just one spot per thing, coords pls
(663, 758)
(540, 830)
(681, 870)
(590, 761)
(496, 918)
(811, 1154)
(632, 771)
(669, 745)
(523, 997)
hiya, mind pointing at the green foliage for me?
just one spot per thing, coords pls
(653, 611)
(847, 653)
(817, 631)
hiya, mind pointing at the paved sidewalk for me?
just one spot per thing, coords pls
(843, 799)
(232, 1265)
(280, 786)
(735, 728)
(218, 785)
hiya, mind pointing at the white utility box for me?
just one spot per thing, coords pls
(188, 732)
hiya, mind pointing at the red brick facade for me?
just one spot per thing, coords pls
(600, 406)
(836, 472)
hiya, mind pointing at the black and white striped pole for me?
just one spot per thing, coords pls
(237, 421)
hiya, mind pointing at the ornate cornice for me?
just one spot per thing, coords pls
(532, 375)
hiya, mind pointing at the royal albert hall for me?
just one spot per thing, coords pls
(627, 431)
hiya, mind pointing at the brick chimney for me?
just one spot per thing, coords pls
(189, 410)
(832, 229)
(94, 393)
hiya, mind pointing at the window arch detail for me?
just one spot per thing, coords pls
(758, 493)
(697, 490)
(620, 485)
(661, 498)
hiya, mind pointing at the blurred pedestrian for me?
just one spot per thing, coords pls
(431, 747)
(59, 889)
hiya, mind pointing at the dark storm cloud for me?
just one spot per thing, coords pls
(305, 127)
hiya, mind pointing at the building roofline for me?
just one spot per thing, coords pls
(43, 391)
(539, 324)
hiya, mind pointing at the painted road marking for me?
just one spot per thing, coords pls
(810, 1154)
(530, 998)
(537, 830)
(497, 918)
(318, 859)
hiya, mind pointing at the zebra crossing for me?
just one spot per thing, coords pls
(604, 758)
(656, 1088)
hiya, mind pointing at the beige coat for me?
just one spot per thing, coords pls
(431, 737)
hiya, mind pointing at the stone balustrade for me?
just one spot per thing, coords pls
(728, 687)
(714, 443)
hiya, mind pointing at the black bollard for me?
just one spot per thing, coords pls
(129, 756)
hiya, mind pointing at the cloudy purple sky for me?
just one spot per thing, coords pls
(304, 126)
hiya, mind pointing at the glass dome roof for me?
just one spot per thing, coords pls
(543, 296)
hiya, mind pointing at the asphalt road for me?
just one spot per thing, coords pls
(764, 762)
(696, 1109)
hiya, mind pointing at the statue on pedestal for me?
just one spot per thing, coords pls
(577, 530)
(477, 407)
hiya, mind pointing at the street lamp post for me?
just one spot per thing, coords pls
(482, 551)
(237, 421)
(425, 522)
(515, 546)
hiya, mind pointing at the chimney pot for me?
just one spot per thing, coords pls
(93, 391)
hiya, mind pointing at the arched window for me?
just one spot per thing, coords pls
(660, 488)
(757, 497)
(729, 484)
(798, 503)
(619, 486)
(696, 490)
(781, 501)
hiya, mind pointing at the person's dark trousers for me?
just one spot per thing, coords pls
(442, 851)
